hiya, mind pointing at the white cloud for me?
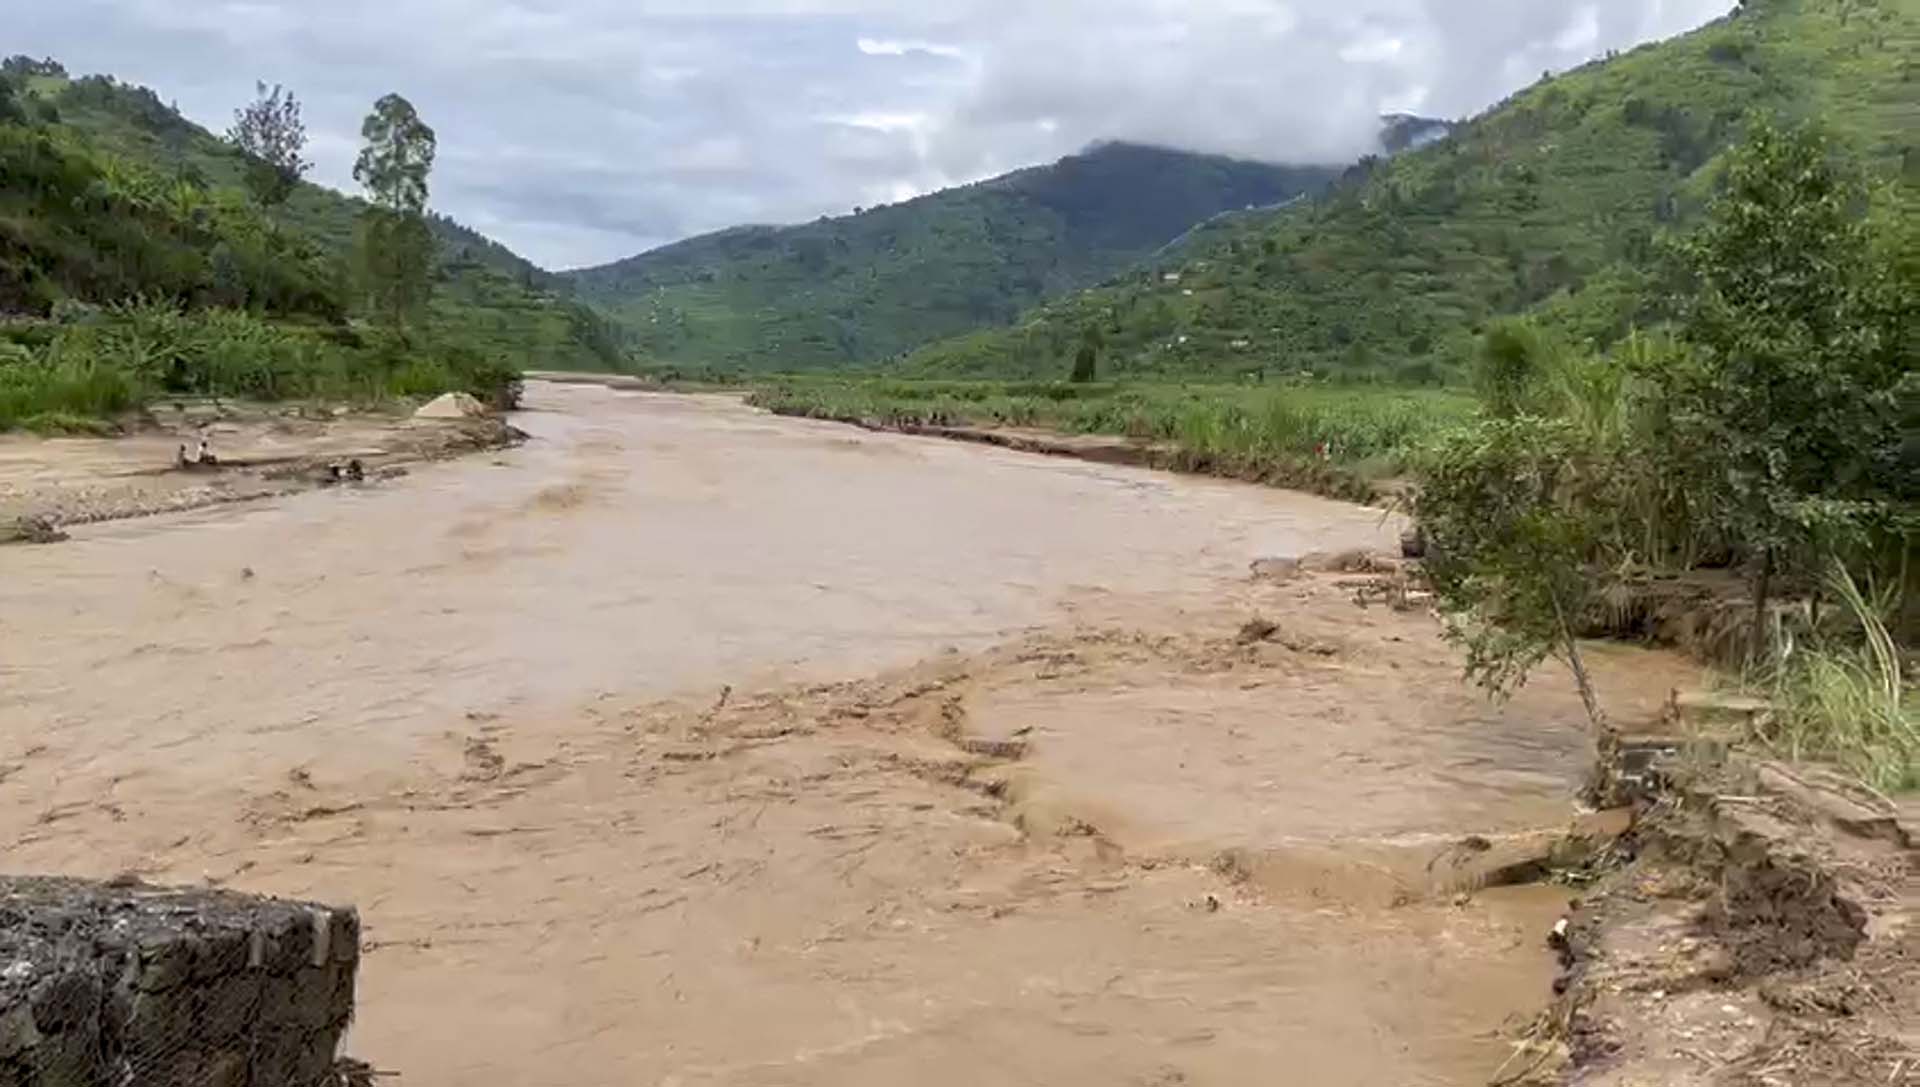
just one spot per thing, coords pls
(1582, 33)
(1372, 50)
(584, 130)
(882, 122)
(874, 47)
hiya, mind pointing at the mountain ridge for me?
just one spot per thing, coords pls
(492, 295)
(1552, 200)
(860, 288)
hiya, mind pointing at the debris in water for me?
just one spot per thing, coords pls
(1257, 629)
(35, 530)
(1280, 570)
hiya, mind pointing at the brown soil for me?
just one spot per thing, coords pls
(1761, 927)
(1707, 614)
(625, 382)
(48, 484)
(1303, 473)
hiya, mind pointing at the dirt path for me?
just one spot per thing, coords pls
(685, 745)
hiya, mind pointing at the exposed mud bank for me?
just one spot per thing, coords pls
(1757, 926)
(1300, 473)
(50, 484)
(624, 382)
(1706, 614)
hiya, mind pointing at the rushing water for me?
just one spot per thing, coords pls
(434, 698)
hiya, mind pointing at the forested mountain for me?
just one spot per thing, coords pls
(1552, 200)
(868, 286)
(108, 194)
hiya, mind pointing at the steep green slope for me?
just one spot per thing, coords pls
(866, 287)
(73, 225)
(176, 200)
(1553, 199)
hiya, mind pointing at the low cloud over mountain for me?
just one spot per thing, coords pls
(584, 130)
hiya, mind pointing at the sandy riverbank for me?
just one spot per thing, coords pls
(263, 451)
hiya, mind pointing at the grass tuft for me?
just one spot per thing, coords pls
(1847, 701)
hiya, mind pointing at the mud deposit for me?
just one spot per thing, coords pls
(686, 745)
(263, 451)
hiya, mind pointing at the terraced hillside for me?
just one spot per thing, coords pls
(1553, 199)
(865, 287)
(165, 199)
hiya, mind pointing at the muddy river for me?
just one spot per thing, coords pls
(688, 745)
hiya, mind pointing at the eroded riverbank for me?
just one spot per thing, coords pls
(687, 745)
(261, 451)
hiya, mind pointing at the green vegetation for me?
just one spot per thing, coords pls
(1801, 336)
(1551, 202)
(76, 224)
(394, 246)
(270, 133)
(140, 255)
(1497, 502)
(1772, 431)
(1846, 698)
(95, 364)
(862, 289)
(492, 300)
(1270, 434)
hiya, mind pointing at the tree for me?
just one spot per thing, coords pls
(398, 156)
(395, 263)
(11, 111)
(1506, 516)
(25, 66)
(1800, 338)
(229, 286)
(1086, 360)
(270, 133)
(395, 244)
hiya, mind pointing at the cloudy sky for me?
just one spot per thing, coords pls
(581, 131)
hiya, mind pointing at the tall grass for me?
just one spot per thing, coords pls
(1645, 501)
(1370, 428)
(36, 394)
(1847, 701)
(105, 363)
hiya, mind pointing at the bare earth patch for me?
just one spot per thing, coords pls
(1758, 928)
(262, 451)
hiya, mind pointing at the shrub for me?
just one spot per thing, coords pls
(1846, 699)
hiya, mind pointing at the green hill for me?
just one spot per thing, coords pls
(866, 287)
(109, 194)
(1551, 200)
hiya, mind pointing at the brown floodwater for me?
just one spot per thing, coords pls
(689, 745)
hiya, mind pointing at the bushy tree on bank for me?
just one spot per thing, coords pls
(395, 243)
(271, 134)
(1801, 339)
(1772, 427)
(1508, 540)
